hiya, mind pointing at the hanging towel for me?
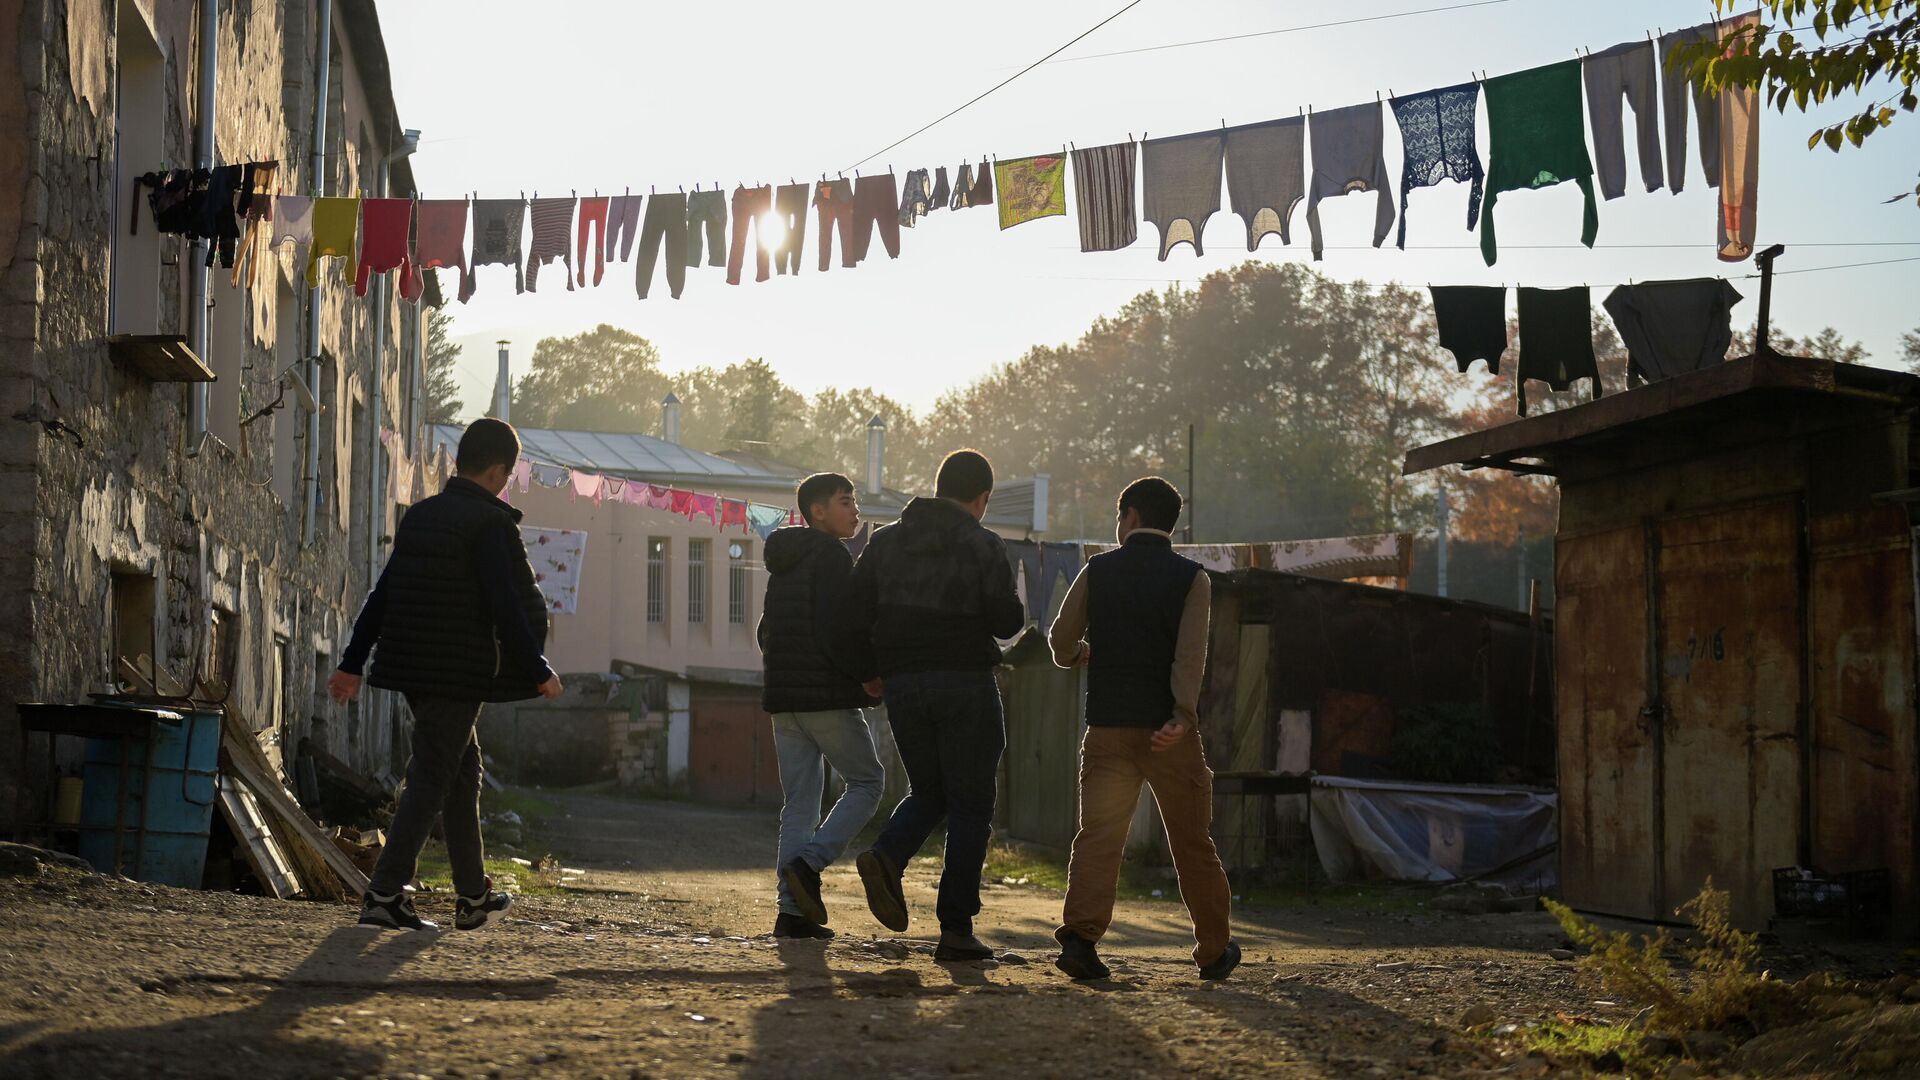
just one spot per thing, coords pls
(336, 225)
(1437, 133)
(1472, 321)
(1181, 178)
(1266, 176)
(733, 512)
(1030, 188)
(1673, 327)
(292, 221)
(1677, 85)
(1537, 139)
(552, 220)
(623, 225)
(1556, 339)
(496, 240)
(1349, 156)
(440, 238)
(1103, 193)
(765, 519)
(1623, 71)
(1739, 147)
(593, 214)
(386, 227)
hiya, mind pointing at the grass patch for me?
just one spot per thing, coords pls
(436, 873)
(521, 801)
(1591, 1042)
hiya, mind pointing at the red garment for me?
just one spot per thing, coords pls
(733, 512)
(440, 239)
(681, 502)
(384, 228)
(593, 211)
(707, 506)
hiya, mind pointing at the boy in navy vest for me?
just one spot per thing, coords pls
(455, 621)
(815, 665)
(1137, 619)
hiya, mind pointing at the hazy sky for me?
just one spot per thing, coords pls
(572, 95)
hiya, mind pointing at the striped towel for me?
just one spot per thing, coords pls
(552, 220)
(1103, 190)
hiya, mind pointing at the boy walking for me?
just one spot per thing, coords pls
(454, 621)
(1137, 619)
(815, 665)
(935, 590)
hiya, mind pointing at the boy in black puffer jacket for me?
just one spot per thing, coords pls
(815, 667)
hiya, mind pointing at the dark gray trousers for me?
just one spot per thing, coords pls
(443, 781)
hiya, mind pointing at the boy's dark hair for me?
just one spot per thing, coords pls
(487, 442)
(1157, 501)
(818, 488)
(965, 475)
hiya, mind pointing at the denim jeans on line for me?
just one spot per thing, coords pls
(805, 743)
(948, 728)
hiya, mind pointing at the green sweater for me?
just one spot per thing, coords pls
(1537, 139)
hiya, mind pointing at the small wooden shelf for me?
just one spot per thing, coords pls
(160, 357)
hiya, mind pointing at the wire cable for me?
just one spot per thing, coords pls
(1282, 30)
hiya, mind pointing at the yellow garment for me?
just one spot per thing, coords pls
(336, 226)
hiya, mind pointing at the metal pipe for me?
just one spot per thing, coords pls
(1762, 329)
(209, 73)
(317, 186)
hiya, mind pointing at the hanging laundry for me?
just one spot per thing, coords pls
(214, 219)
(336, 225)
(751, 206)
(657, 497)
(292, 221)
(552, 221)
(1349, 156)
(1023, 558)
(1181, 176)
(550, 476)
(496, 240)
(876, 202)
(386, 233)
(1437, 133)
(962, 188)
(790, 210)
(706, 506)
(1537, 139)
(1556, 339)
(666, 222)
(440, 239)
(1103, 183)
(1677, 85)
(256, 209)
(763, 520)
(1031, 188)
(1266, 175)
(833, 205)
(1673, 327)
(981, 194)
(855, 543)
(587, 485)
(916, 197)
(1739, 146)
(593, 215)
(168, 197)
(1473, 322)
(733, 512)
(613, 487)
(623, 225)
(1622, 71)
(707, 216)
(942, 191)
(634, 495)
(680, 502)
(523, 475)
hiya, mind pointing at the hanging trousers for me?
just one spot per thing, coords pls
(876, 200)
(1624, 71)
(750, 207)
(707, 210)
(593, 211)
(833, 200)
(623, 225)
(790, 206)
(666, 221)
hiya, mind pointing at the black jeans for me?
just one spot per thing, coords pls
(666, 220)
(947, 726)
(443, 781)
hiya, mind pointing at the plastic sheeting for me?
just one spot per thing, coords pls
(1375, 829)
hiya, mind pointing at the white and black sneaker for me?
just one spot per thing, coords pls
(481, 911)
(393, 912)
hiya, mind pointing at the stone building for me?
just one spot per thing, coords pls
(222, 527)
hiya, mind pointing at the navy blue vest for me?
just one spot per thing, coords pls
(1135, 598)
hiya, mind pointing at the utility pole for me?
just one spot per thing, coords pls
(1440, 563)
(1191, 432)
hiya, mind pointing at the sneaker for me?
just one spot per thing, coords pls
(803, 884)
(1079, 959)
(481, 911)
(1222, 967)
(885, 898)
(799, 926)
(959, 945)
(393, 912)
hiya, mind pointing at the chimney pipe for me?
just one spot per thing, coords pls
(670, 418)
(503, 388)
(876, 454)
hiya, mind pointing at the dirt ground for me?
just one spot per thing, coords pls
(656, 963)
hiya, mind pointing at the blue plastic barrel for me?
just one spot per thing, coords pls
(169, 805)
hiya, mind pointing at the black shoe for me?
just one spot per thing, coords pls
(798, 926)
(1079, 959)
(885, 898)
(393, 912)
(1224, 966)
(957, 945)
(803, 883)
(482, 911)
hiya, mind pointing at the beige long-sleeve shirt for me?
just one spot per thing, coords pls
(1067, 637)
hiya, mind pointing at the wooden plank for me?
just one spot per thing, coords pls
(160, 357)
(250, 765)
(257, 842)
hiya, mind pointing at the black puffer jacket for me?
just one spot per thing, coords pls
(934, 590)
(814, 661)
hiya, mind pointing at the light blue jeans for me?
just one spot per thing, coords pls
(806, 743)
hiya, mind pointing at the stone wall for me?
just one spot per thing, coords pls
(116, 488)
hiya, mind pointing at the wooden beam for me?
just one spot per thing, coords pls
(243, 755)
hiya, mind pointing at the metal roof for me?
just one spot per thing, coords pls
(638, 457)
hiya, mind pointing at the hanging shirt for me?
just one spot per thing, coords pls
(733, 512)
(336, 225)
(1673, 327)
(1103, 193)
(552, 220)
(496, 239)
(385, 235)
(440, 238)
(1437, 133)
(1030, 188)
(1266, 175)
(1349, 157)
(292, 221)
(706, 506)
(1180, 178)
(1473, 322)
(1556, 339)
(1537, 139)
